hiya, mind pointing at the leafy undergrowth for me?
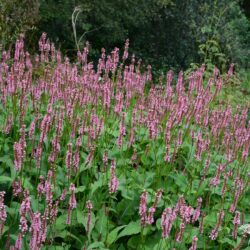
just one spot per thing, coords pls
(105, 159)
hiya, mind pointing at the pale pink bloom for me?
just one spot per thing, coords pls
(72, 202)
(35, 231)
(89, 207)
(194, 243)
(143, 208)
(3, 213)
(214, 233)
(25, 205)
(17, 188)
(62, 198)
(18, 243)
(18, 153)
(40, 186)
(167, 218)
(236, 222)
(150, 218)
(181, 232)
(114, 182)
(23, 226)
(196, 213)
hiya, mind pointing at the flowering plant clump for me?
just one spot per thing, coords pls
(103, 158)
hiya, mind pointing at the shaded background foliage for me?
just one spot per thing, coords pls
(164, 33)
(17, 17)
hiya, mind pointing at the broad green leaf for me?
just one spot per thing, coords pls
(101, 223)
(28, 185)
(82, 218)
(5, 179)
(134, 241)
(7, 160)
(96, 245)
(134, 227)
(149, 179)
(97, 184)
(80, 189)
(180, 180)
(58, 247)
(229, 241)
(60, 222)
(112, 236)
(163, 244)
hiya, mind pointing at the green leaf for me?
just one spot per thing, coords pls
(96, 245)
(113, 235)
(133, 242)
(86, 26)
(134, 227)
(5, 179)
(149, 179)
(27, 184)
(180, 180)
(80, 189)
(210, 219)
(7, 160)
(101, 224)
(58, 247)
(163, 244)
(81, 218)
(229, 241)
(60, 222)
(97, 184)
(158, 224)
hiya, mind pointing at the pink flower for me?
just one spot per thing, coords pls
(150, 219)
(238, 188)
(194, 243)
(236, 222)
(62, 198)
(197, 212)
(216, 180)
(54, 212)
(41, 187)
(32, 129)
(143, 208)
(69, 158)
(23, 226)
(214, 233)
(167, 218)
(38, 155)
(35, 231)
(122, 131)
(72, 202)
(48, 189)
(25, 205)
(18, 154)
(3, 213)
(72, 199)
(18, 244)
(186, 213)
(181, 232)
(114, 182)
(89, 207)
(45, 126)
(17, 188)
(76, 160)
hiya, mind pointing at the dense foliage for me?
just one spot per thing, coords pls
(164, 33)
(15, 17)
(105, 159)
